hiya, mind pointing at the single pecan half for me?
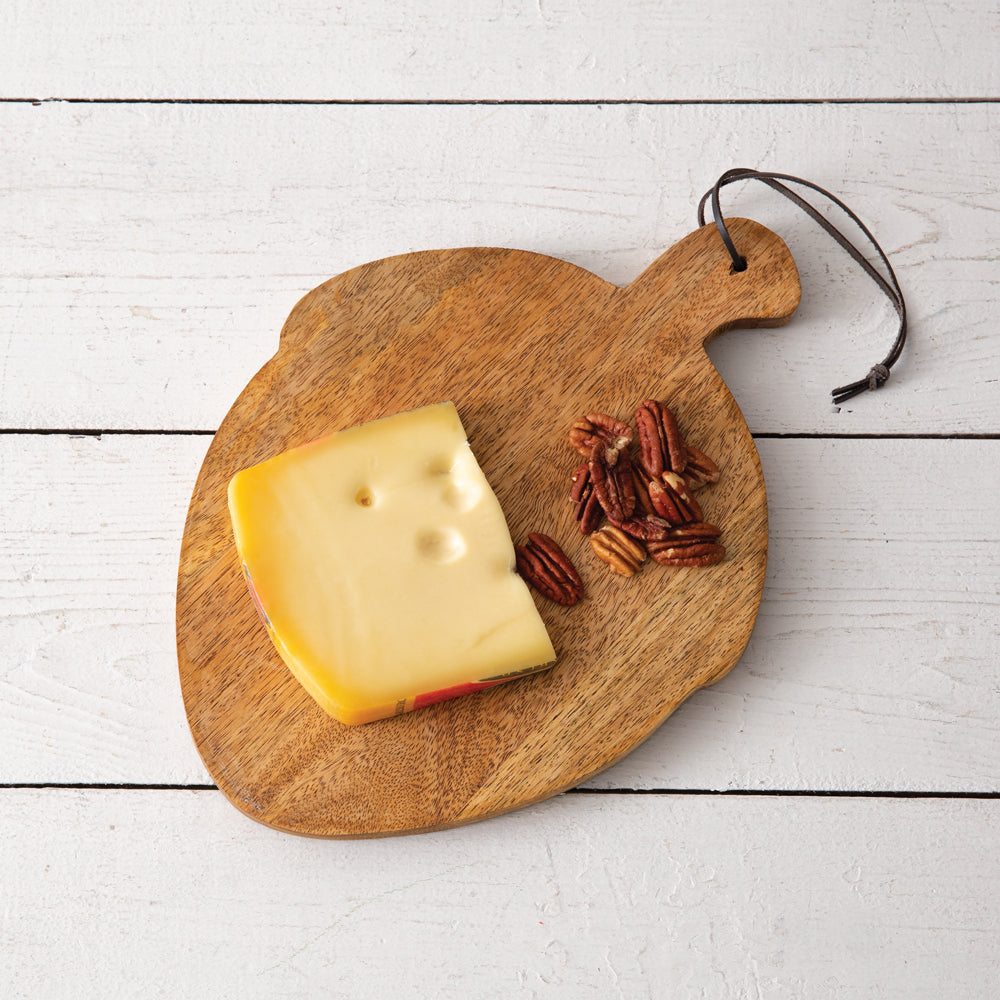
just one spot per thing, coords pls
(673, 500)
(588, 512)
(641, 480)
(700, 469)
(611, 475)
(592, 428)
(645, 527)
(546, 567)
(660, 443)
(699, 531)
(623, 555)
(690, 552)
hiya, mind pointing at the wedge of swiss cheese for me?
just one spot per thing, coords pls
(382, 566)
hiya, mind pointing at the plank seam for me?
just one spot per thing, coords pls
(757, 435)
(790, 793)
(100, 432)
(745, 792)
(493, 102)
(869, 436)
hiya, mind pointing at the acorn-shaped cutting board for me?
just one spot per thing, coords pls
(523, 344)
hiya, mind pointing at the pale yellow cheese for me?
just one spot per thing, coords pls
(383, 568)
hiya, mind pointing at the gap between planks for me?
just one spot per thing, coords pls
(758, 436)
(492, 102)
(745, 792)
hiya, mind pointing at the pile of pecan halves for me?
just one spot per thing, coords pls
(649, 503)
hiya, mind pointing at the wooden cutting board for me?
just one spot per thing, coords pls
(522, 344)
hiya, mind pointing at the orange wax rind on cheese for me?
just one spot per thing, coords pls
(382, 567)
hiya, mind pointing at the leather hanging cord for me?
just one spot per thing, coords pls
(878, 374)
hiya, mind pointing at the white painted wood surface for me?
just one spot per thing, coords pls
(149, 253)
(498, 49)
(872, 666)
(171, 894)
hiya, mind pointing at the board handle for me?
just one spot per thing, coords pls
(691, 293)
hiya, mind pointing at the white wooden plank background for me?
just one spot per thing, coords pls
(498, 49)
(733, 898)
(872, 665)
(149, 252)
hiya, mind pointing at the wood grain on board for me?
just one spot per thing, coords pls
(522, 344)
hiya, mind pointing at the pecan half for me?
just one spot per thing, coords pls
(660, 443)
(623, 555)
(645, 527)
(588, 512)
(673, 500)
(546, 567)
(640, 480)
(700, 469)
(699, 531)
(592, 428)
(690, 552)
(611, 475)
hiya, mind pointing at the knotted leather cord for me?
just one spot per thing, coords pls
(878, 374)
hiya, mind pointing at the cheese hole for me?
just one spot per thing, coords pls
(462, 496)
(440, 465)
(441, 545)
(365, 497)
